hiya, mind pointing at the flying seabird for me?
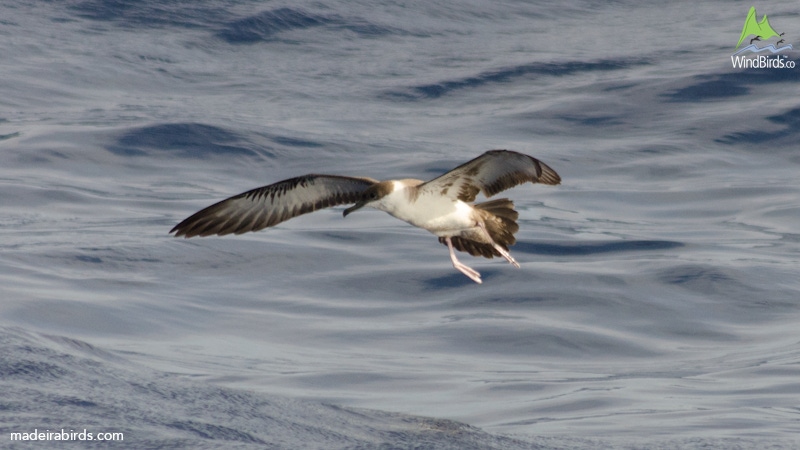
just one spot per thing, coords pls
(444, 205)
(757, 38)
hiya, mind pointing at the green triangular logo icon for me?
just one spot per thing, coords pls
(752, 27)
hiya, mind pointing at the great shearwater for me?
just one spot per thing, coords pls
(444, 205)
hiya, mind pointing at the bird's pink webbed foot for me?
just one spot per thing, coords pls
(473, 274)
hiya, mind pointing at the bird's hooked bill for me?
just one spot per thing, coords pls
(358, 205)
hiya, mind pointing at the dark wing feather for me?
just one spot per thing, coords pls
(270, 205)
(492, 172)
(472, 247)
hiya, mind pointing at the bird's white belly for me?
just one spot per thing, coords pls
(439, 215)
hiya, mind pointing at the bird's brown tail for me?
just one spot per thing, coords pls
(500, 220)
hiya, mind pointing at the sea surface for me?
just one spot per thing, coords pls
(658, 301)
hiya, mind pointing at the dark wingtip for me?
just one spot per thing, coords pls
(182, 230)
(178, 233)
(548, 175)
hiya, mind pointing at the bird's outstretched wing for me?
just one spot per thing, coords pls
(270, 205)
(490, 173)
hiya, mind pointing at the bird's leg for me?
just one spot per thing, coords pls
(463, 268)
(503, 252)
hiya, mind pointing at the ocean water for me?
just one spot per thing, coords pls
(658, 301)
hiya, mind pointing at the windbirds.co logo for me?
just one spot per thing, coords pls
(762, 31)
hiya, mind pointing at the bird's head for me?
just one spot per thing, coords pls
(372, 196)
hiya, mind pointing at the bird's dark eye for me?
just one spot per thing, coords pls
(373, 196)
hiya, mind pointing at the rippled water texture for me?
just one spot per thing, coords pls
(656, 306)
